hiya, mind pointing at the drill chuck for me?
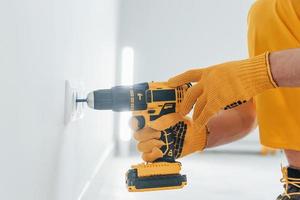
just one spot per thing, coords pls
(100, 99)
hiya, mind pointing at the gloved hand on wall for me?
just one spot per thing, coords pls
(223, 86)
(186, 142)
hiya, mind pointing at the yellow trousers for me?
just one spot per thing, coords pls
(275, 25)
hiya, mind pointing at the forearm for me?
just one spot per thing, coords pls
(285, 67)
(231, 125)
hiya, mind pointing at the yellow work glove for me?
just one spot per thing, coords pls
(186, 142)
(223, 86)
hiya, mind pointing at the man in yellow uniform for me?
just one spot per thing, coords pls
(225, 96)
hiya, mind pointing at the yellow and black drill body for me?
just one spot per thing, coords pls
(148, 102)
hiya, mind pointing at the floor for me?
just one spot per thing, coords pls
(211, 176)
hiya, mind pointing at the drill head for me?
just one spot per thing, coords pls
(100, 99)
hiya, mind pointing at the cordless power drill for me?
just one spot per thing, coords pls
(148, 102)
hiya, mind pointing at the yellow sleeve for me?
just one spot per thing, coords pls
(273, 25)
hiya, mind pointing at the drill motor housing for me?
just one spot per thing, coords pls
(147, 101)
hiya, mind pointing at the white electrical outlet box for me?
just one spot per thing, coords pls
(74, 110)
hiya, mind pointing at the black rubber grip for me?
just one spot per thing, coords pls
(167, 136)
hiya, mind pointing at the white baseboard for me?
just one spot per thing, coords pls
(106, 154)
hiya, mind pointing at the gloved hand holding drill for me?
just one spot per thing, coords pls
(218, 87)
(186, 142)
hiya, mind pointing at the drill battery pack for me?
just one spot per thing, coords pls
(155, 176)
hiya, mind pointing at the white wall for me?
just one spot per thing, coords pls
(43, 43)
(172, 36)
